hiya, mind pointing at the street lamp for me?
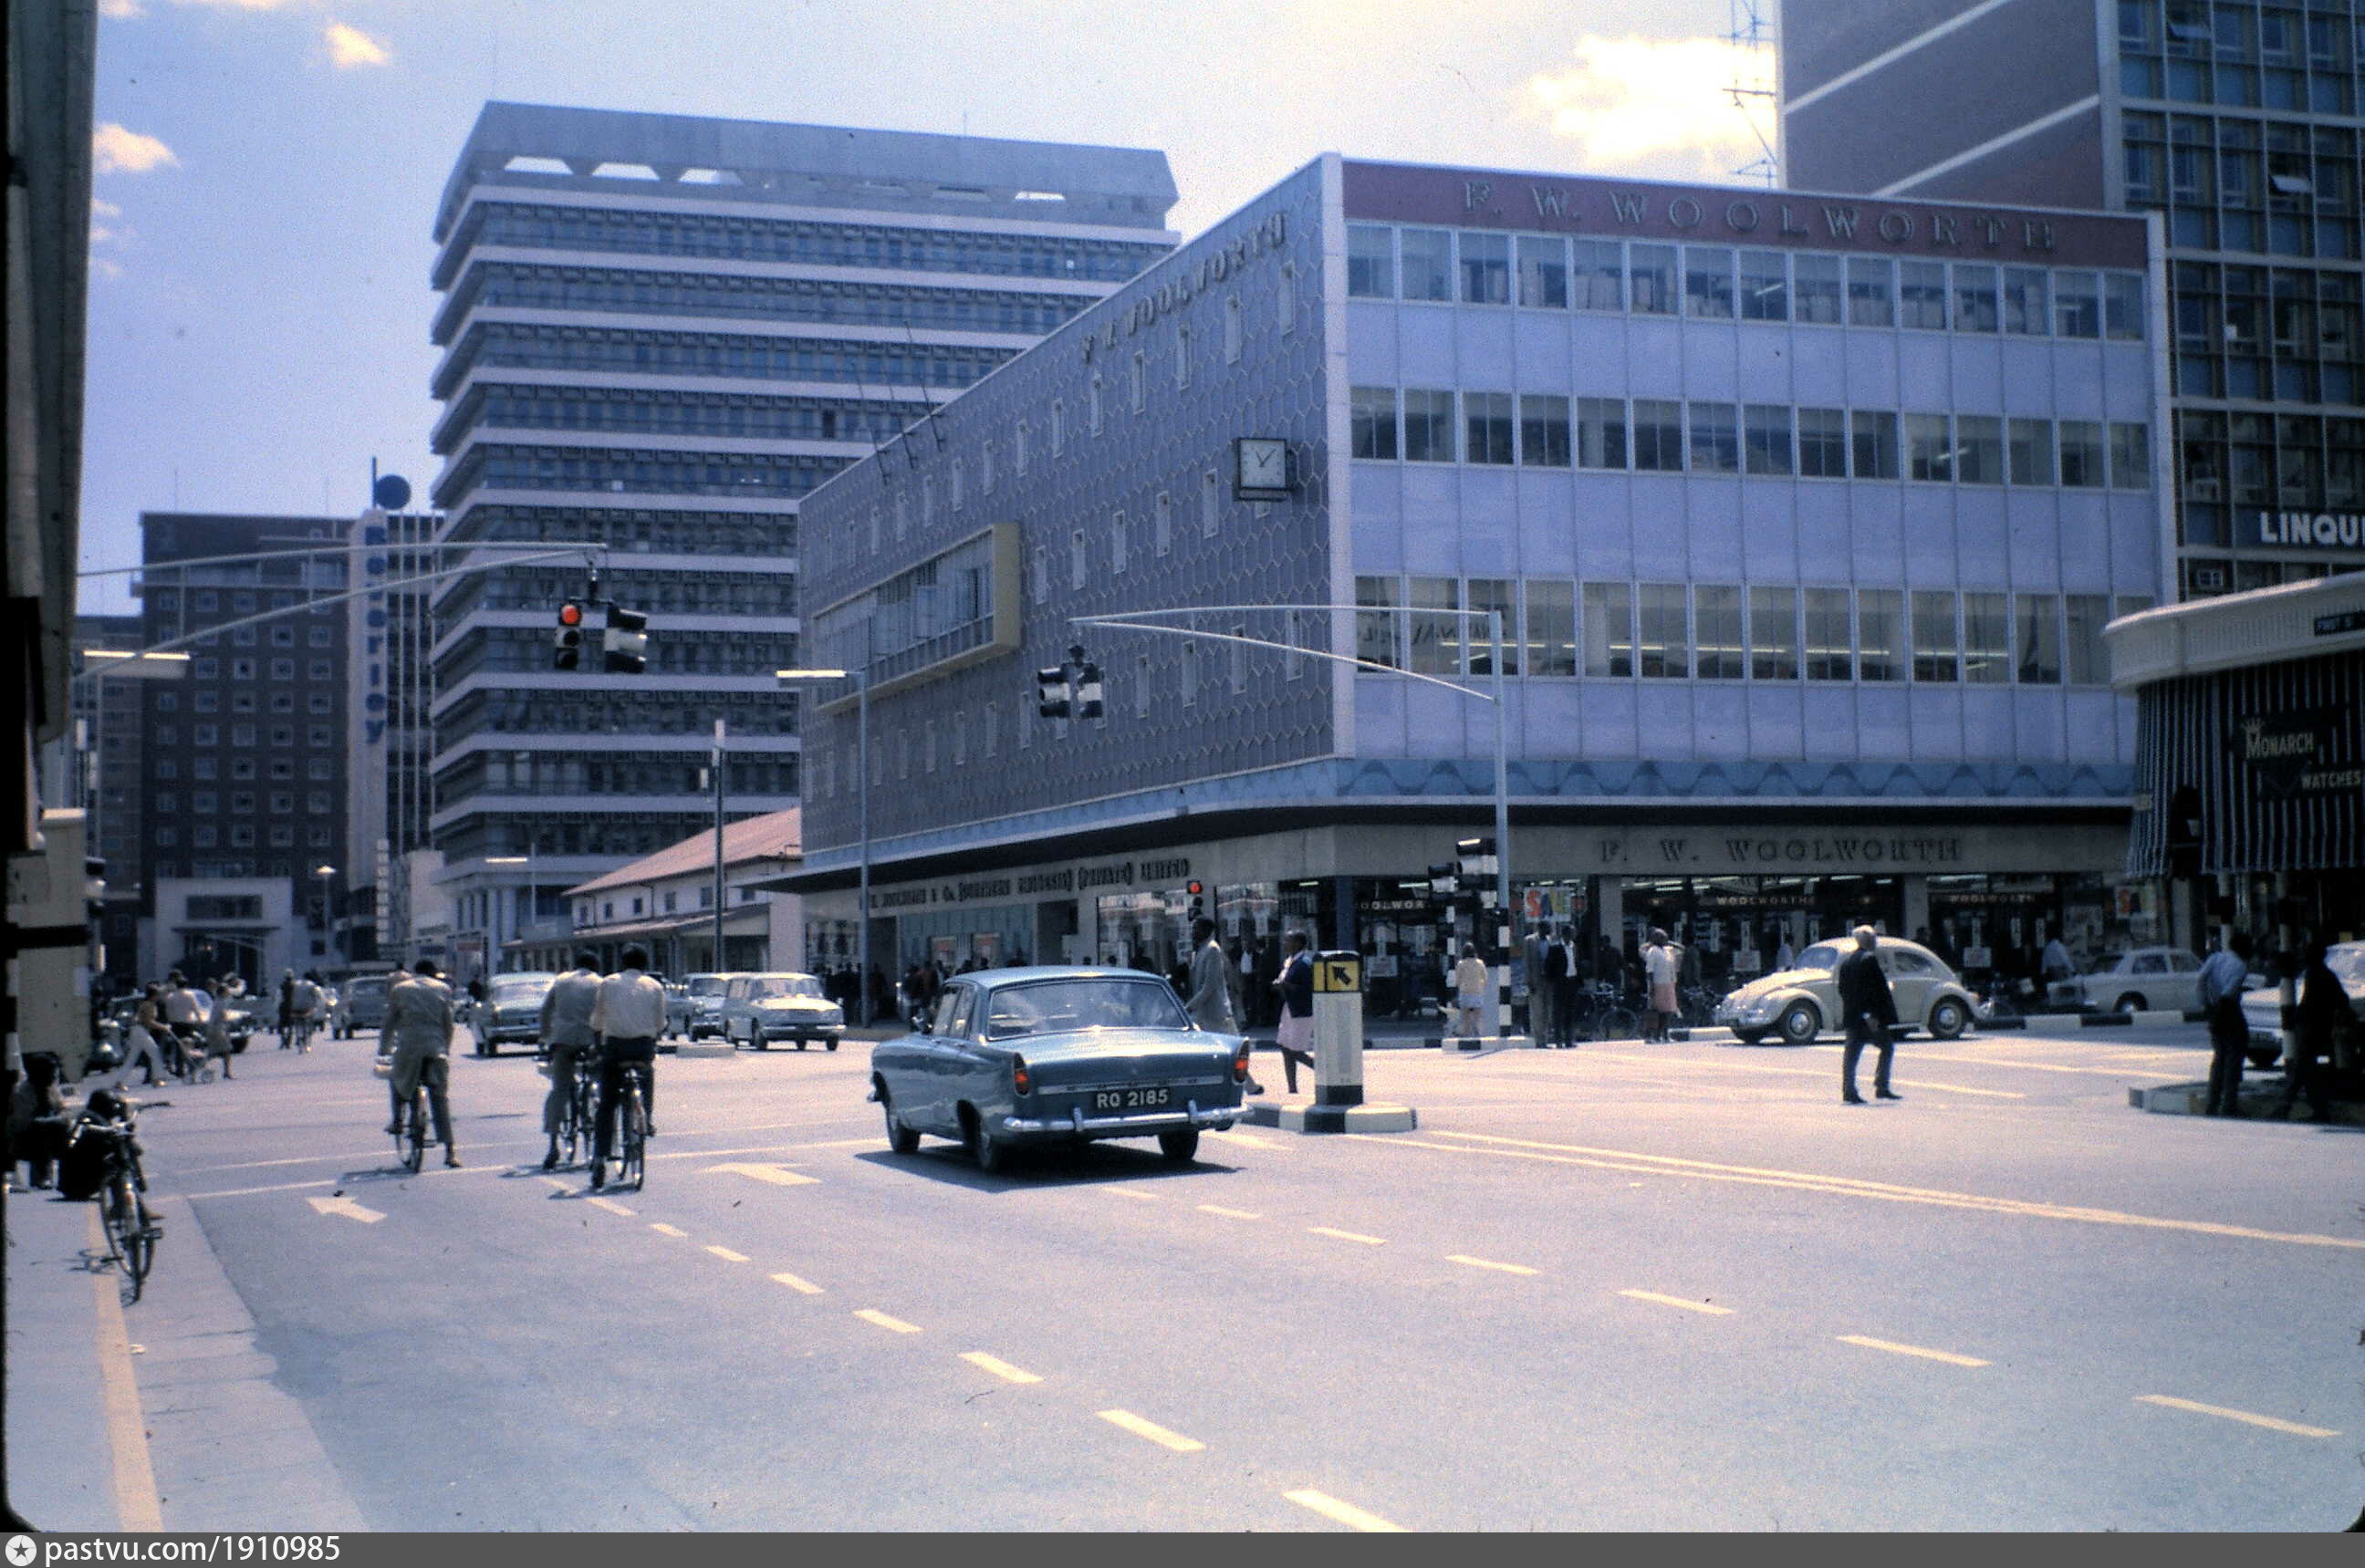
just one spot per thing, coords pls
(328, 909)
(861, 678)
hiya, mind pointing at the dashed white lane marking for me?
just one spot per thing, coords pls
(613, 1208)
(1129, 1193)
(1152, 1430)
(1356, 1235)
(775, 1175)
(1347, 1514)
(664, 1229)
(893, 1325)
(1894, 1349)
(803, 1287)
(999, 1367)
(1228, 1214)
(727, 1255)
(1710, 1309)
(1488, 1263)
(2271, 1423)
(2086, 1071)
(1249, 1141)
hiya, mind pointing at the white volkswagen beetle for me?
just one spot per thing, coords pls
(1801, 1003)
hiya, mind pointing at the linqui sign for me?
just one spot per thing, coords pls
(1393, 193)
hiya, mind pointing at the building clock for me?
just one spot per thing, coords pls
(1261, 468)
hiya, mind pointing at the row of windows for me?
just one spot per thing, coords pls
(1649, 434)
(627, 834)
(2234, 461)
(206, 666)
(242, 836)
(511, 650)
(1121, 540)
(644, 773)
(208, 802)
(768, 299)
(509, 343)
(2234, 183)
(2238, 54)
(678, 413)
(804, 240)
(1556, 627)
(622, 714)
(282, 636)
(2282, 334)
(643, 531)
(283, 736)
(245, 701)
(1718, 282)
(660, 593)
(759, 476)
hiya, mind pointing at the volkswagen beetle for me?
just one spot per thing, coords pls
(1801, 1003)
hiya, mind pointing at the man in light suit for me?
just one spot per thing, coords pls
(567, 1039)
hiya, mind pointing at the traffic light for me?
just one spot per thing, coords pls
(1070, 691)
(1444, 881)
(1475, 860)
(568, 643)
(1051, 700)
(1198, 892)
(1088, 687)
(625, 643)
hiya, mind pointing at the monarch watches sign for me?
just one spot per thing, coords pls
(2300, 755)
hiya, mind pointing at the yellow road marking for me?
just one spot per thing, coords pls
(1348, 1235)
(727, 1255)
(1845, 1186)
(1129, 1193)
(803, 1287)
(1153, 1430)
(2089, 1071)
(1708, 1308)
(1228, 1214)
(1347, 1514)
(137, 1505)
(2269, 1422)
(664, 1229)
(1488, 1263)
(894, 1325)
(611, 1206)
(1894, 1349)
(999, 1367)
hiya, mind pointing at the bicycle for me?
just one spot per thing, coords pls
(300, 1033)
(1602, 1014)
(130, 1228)
(579, 1115)
(632, 1131)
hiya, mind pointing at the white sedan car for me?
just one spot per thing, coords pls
(2141, 980)
(2262, 1009)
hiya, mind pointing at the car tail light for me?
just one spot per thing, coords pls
(1241, 1064)
(1020, 1079)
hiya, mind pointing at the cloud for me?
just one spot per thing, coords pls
(240, 4)
(1653, 105)
(121, 152)
(121, 11)
(350, 48)
(99, 208)
(101, 267)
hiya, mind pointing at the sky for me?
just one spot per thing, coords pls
(268, 170)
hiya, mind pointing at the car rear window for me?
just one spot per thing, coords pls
(1047, 1007)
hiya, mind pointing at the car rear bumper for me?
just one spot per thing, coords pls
(1075, 1124)
(803, 1031)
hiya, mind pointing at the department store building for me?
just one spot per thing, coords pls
(1802, 516)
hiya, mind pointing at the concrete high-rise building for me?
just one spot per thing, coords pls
(2238, 123)
(390, 741)
(104, 765)
(660, 332)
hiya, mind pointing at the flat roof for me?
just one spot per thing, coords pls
(2262, 626)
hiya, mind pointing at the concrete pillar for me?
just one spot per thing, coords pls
(1917, 903)
(1612, 908)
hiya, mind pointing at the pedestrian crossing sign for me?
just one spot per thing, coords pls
(1336, 972)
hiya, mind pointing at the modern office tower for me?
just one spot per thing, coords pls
(2237, 124)
(390, 741)
(660, 332)
(242, 787)
(105, 765)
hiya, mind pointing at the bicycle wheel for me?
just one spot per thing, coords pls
(116, 1214)
(636, 1134)
(139, 1243)
(1620, 1023)
(414, 1147)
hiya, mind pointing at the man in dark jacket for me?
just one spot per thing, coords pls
(2322, 1012)
(1871, 1014)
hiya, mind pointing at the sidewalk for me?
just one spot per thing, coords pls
(67, 1463)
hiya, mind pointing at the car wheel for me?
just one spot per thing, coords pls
(901, 1139)
(829, 1044)
(989, 1152)
(2131, 1003)
(2263, 1056)
(1180, 1146)
(1949, 1019)
(1800, 1023)
(1748, 1037)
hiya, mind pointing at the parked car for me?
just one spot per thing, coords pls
(758, 1009)
(1801, 1003)
(2262, 1009)
(360, 1005)
(1037, 1056)
(511, 1010)
(697, 1011)
(2135, 981)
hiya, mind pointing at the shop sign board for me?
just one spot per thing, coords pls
(2298, 755)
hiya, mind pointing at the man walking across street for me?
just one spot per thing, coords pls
(417, 1032)
(2223, 975)
(566, 1036)
(628, 1014)
(1871, 1014)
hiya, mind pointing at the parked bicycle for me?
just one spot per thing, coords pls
(1602, 1014)
(106, 1136)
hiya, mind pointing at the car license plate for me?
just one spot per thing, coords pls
(1131, 1099)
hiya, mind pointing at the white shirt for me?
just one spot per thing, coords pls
(630, 1007)
(1659, 963)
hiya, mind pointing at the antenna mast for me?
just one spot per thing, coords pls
(1747, 28)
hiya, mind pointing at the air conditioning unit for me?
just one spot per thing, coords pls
(2202, 490)
(2208, 579)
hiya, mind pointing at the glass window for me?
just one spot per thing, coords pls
(1869, 290)
(1651, 273)
(1922, 295)
(1663, 650)
(1815, 289)
(2081, 452)
(1929, 454)
(1829, 655)
(1373, 421)
(1658, 436)
(1707, 282)
(1716, 442)
(2027, 304)
(1375, 623)
(1978, 449)
(1975, 299)
(1436, 639)
(2122, 306)
(1487, 417)
(1773, 633)
(2131, 456)
(1987, 638)
(1717, 650)
(2032, 452)
(1873, 449)
(1608, 629)
(1601, 432)
(1765, 285)
(1496, 594)
(1935, 643)
(1543, 271)
(1880, 633)
(2088, 663)
(2077, 306)
(1599, 279)
(1823, 443)
(1427, 266)
(1552, 627)
(1485, 269)
(1543, 429)
(1765, 429)
(1371, 260)
(1428, 426)
(2040, 640)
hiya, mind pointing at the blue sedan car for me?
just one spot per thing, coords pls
(1057, 1056)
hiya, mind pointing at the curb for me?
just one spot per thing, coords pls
(2187, 1100)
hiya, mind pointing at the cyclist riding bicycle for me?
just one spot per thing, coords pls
(418, 1037)
(567, 1042)
(628, 1016)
